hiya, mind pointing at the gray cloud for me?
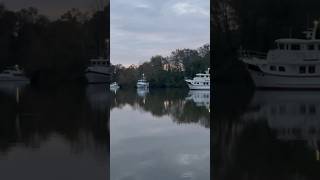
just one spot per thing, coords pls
(143, 28)
(140, 28)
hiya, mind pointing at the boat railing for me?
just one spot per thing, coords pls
(252, 54)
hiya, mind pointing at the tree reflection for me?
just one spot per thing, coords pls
(40, 114)
(164, 102)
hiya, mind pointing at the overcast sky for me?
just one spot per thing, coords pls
(141, 29)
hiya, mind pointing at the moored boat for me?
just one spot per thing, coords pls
(200, 82)
(294, 63)
(114, 86)
(142, 83)
(98, 71)
(13, 74)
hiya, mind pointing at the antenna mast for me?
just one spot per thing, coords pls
(314, 32)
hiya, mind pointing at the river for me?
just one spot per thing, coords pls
(93, 133)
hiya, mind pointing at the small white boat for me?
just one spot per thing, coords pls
(13, 74)
(294, 63)
(142, 83)
(200, 82)
(114, 85)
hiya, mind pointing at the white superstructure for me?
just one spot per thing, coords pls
(13, 74)
(200, 82)
(294, 63)
(142, 83)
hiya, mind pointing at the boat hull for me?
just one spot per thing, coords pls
(13, 79)
(98, 74)
(198, 87)
(265, 80)
(95, 78)
(142, 85)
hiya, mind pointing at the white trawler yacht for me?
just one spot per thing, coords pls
(99, 70)
(142, 83)
(13, 74)
(295, 63)
(200, 82)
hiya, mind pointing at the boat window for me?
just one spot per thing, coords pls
(303, 109)
(272, 68)
(310, 47)
(282, 69)
(312, 69)
(281, 46)
(312, 109)
(302, 69)
(295, 47)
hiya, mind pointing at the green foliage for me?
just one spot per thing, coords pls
(164, 72)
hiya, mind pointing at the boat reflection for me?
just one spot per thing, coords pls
(292, 115)
(200, 98)
(165, 102)
(275, 136)
(142, 92)
(13, 87)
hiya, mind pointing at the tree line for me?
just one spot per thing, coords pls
(52, 50)
(164, 72)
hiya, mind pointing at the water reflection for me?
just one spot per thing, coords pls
(200, 97)
(54, 134)
(175, 103)
(275, 137)
(142, 92)
(161, 135)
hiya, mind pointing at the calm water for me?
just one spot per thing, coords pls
(49, 135)
(269, 135)
(64, 134)
(161, 134)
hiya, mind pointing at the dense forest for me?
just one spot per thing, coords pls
(162, 72)
(52, 50)
(254, 25)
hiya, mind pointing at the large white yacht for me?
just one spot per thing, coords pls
(294, 63)
(13, 74)
(142, 83)
(99, 70)
(200, 82)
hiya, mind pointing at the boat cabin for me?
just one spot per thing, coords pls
(297, 45)
(99, 62)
